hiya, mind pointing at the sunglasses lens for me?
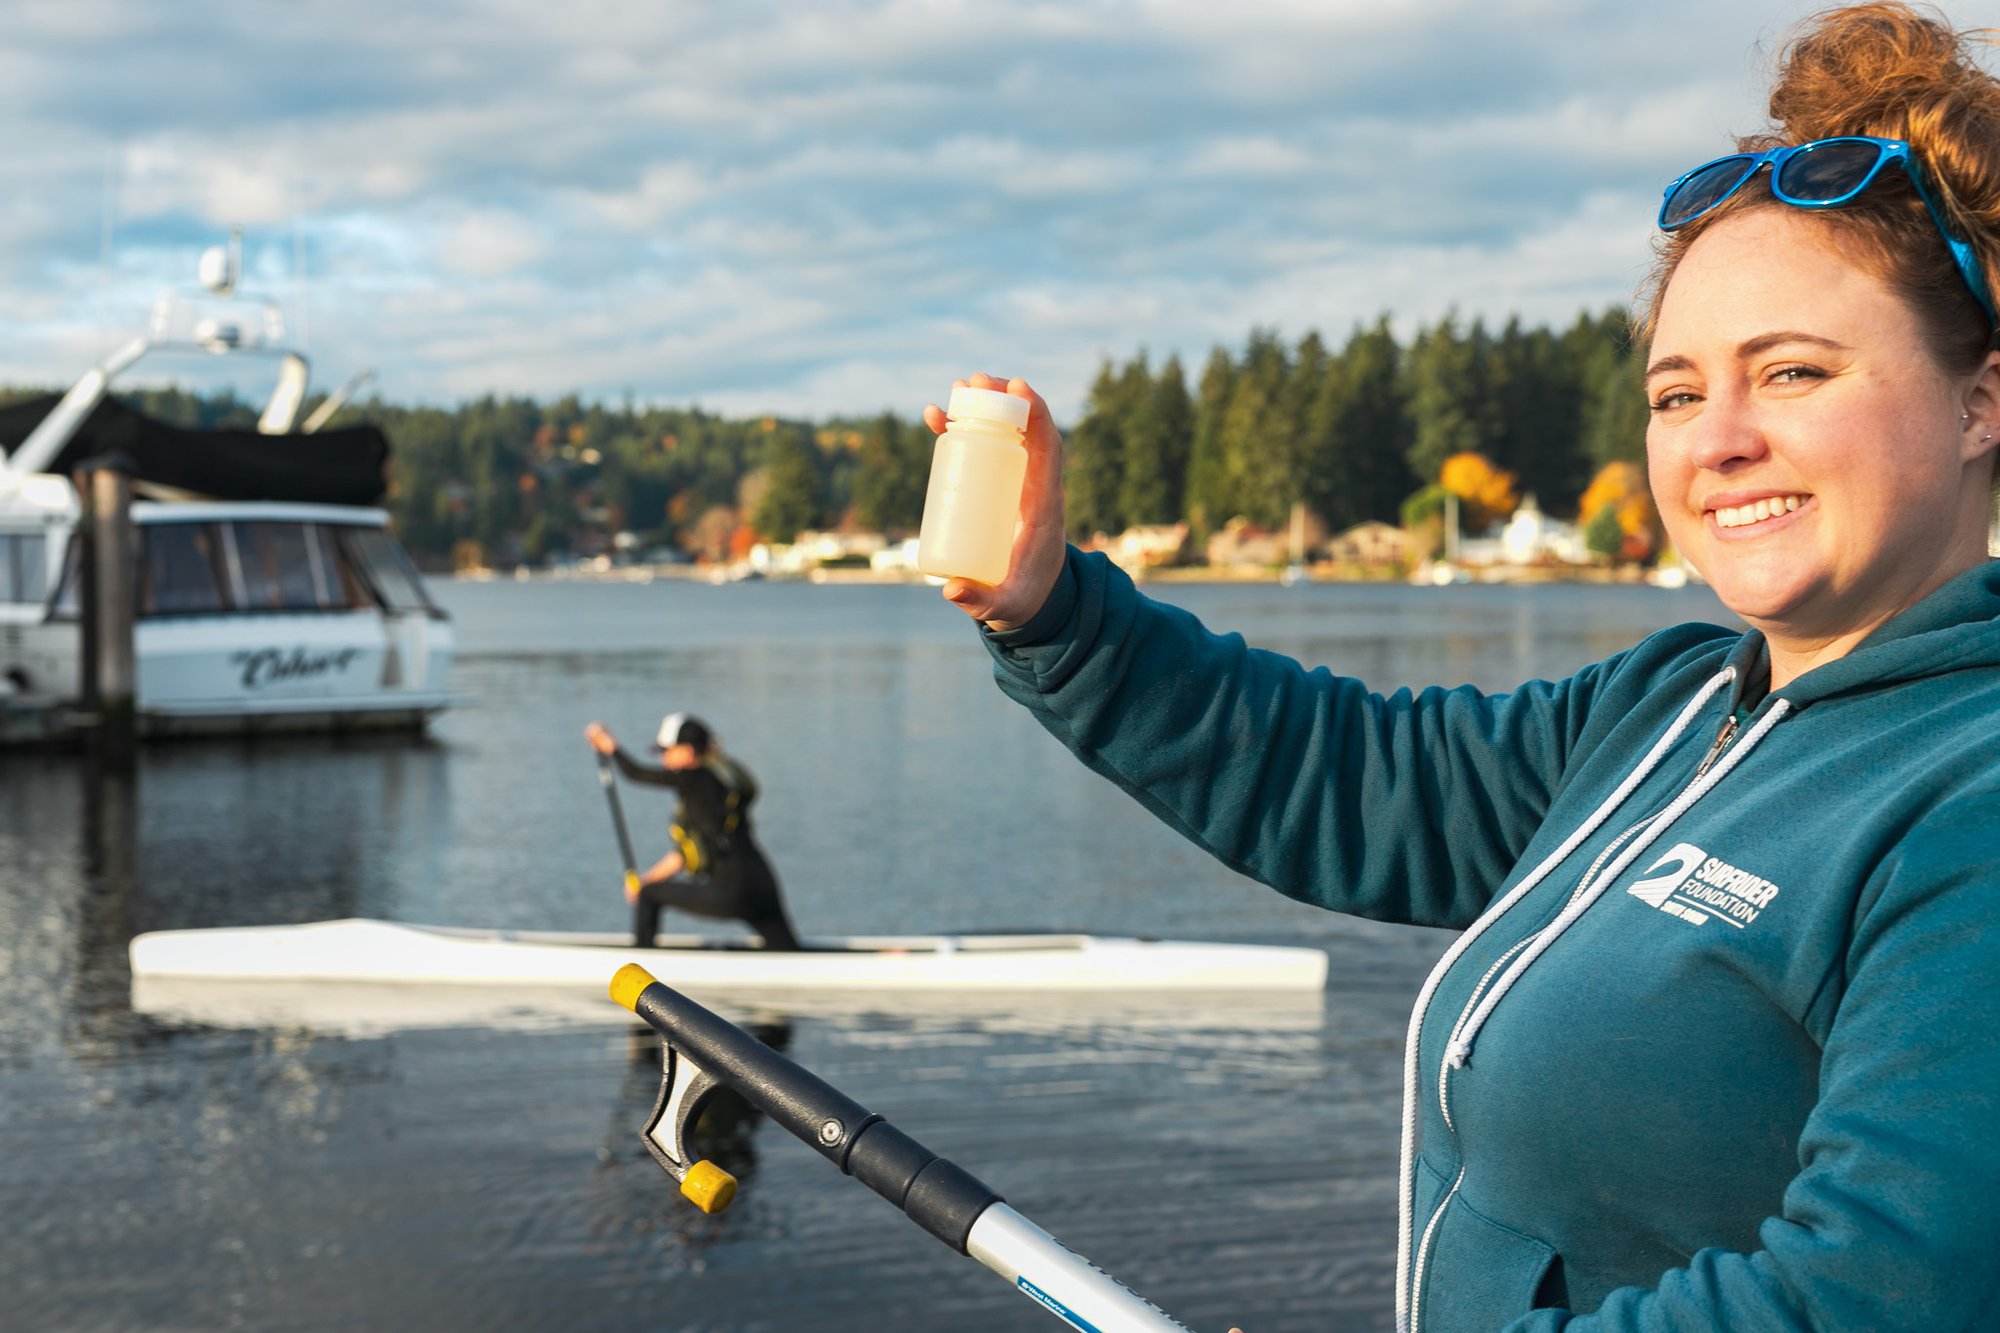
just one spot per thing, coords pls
(1828, 174)
(1704, 189)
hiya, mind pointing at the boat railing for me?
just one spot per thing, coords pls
(214, 320)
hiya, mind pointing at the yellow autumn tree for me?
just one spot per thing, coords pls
(1617, 514)
(1485, 491)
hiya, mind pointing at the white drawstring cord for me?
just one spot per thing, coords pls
(1406, 1301)
(1461, 1051)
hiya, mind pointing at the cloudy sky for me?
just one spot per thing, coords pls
(822, 208)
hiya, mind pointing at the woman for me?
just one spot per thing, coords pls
(1719, 1046)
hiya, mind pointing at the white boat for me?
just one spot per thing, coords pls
(1668, 576)
(359, 949)
(271, 593)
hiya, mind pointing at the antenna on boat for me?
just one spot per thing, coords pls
(300, 280)
(107, 236)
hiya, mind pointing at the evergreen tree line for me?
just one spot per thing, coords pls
(1352, 433)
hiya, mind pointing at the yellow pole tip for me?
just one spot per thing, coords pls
(628, 982)
(708, 1187)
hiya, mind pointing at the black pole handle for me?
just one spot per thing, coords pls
(935, 1193)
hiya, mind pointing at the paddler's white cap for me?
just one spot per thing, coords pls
(682, 729)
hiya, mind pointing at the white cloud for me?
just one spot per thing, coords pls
(488, 243)
(840, 207)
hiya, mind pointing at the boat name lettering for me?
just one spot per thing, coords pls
(272, 666)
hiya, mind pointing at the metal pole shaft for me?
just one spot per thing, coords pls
(1060, 1280)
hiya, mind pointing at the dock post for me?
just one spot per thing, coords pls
(110, 597)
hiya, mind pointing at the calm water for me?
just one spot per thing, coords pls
(189, 1161)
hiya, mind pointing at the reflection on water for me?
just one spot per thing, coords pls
(274, 1157)
(724, 1133)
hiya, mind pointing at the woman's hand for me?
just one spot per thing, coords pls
(600, 740)
(1037, 559)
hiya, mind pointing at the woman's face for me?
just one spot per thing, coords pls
(1807, 456)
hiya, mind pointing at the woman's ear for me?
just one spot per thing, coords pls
(1982, 411)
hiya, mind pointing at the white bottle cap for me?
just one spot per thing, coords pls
(988, 405)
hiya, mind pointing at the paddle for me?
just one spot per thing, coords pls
(609, 778)
(701, 1051)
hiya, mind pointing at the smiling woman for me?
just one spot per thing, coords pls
(1808, 454)
(1719, 1045)
(1823, 428)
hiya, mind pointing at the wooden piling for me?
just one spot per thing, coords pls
(111, 606)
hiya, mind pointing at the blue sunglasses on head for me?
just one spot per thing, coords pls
(1825, 173)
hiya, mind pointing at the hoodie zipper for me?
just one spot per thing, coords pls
(1722, 739)
(1410, 1266)
(1730, 726)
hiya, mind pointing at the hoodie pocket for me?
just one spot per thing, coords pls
(1480, 1275)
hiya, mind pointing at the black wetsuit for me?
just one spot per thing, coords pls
(723, 871)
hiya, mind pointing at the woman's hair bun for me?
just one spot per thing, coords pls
(1898, 72)
(1869, 69)
(1891, 70)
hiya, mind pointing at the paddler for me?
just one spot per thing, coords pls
(715, 868)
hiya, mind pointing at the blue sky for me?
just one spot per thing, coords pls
(818, 209)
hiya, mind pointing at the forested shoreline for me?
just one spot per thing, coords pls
(1357, 431)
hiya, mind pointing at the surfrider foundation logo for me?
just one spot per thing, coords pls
(1698, 888)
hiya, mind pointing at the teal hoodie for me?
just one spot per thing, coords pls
(1720, 1045)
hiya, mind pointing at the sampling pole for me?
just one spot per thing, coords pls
(703, 1051)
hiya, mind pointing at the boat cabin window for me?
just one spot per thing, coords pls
(254, 566)
(383, 563)
(180, 570)
(278, 567)
(24, 570)
(68, 602)
(344, 589)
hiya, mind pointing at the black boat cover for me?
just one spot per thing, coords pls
(346, 466)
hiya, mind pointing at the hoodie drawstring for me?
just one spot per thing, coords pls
(1407, 1304)
(1461, 1049)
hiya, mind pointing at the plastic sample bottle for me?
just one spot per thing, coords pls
(974, 500)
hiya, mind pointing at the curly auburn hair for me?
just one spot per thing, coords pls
(1889, 70)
